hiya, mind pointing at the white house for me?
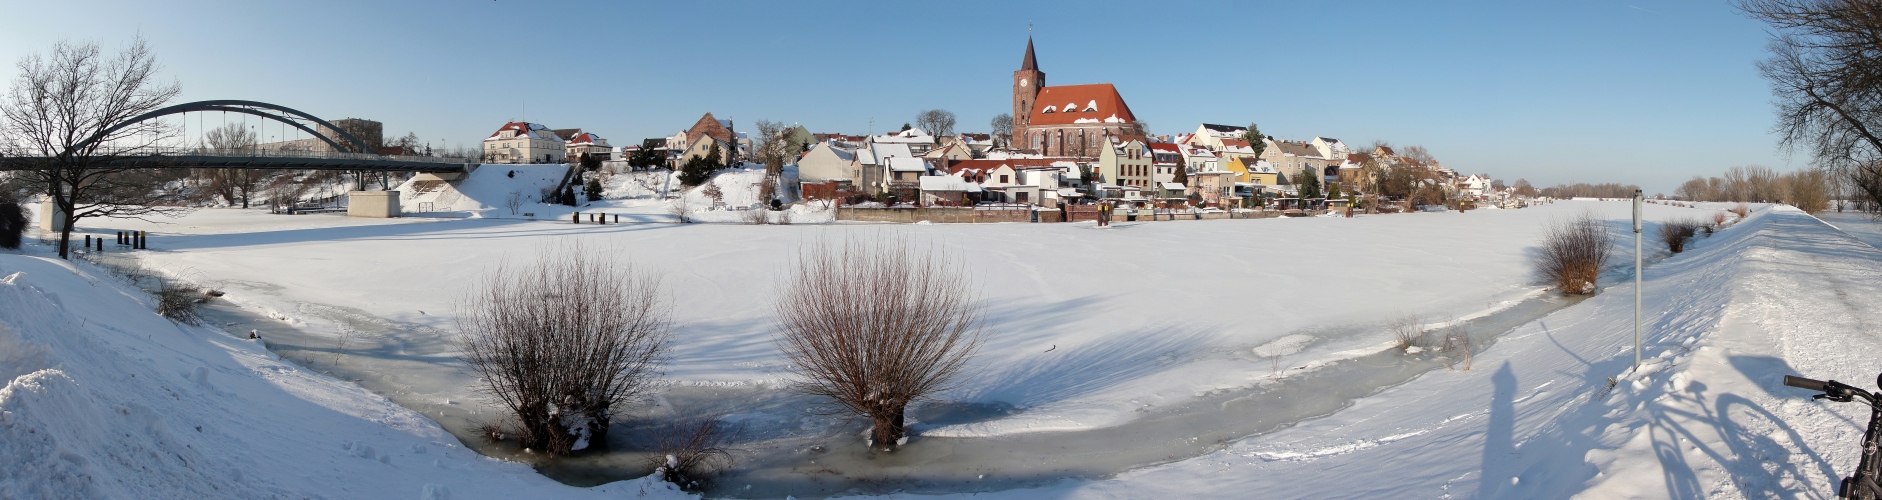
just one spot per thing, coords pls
(828, 161)
(1210, 135)
(524, 142)
(1329, 148)
(1196, 159)
(587, 142)
(917, 141)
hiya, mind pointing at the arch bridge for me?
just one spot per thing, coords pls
(344, 151)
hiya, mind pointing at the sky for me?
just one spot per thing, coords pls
(1646, 92)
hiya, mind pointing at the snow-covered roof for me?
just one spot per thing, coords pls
(1174, 186)
(842, 153)
(910, 136)
(525, 130)
(947, 183)
(886, 150)
(907, 164)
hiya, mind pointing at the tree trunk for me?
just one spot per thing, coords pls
(889, 429)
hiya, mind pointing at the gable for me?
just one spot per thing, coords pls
(707, 125)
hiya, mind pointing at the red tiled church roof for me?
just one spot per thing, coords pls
(1097, 101)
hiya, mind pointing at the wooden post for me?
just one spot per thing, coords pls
(575, 217)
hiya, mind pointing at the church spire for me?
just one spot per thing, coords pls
(1029, 64)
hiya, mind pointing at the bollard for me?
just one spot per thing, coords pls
(120, 237)
(101, 244)
(575, 217)
(88, 242)
(617, 218)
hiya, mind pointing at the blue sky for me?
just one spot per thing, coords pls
(1640, 91)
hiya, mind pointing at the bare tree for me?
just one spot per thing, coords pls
(1416, 154)
(774, 149)
(232, 184)
(58, 119)
(514, 202)
(1002, 130)
(564, 343)
(874, 327)
(1808, 190)
(1826, 72)
(1574, 252)
(937, 122)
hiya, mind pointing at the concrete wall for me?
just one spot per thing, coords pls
(50, 217)
(373, 204)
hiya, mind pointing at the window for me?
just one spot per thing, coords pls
(1003, 179)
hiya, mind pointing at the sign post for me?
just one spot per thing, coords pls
(1637, 203)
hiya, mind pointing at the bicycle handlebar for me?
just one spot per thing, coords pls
(1804, 383)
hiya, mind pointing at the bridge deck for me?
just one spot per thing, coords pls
(311, 161)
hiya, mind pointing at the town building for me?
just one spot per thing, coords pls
(1067, 120)
(524, 142)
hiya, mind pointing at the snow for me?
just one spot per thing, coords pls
(485, 191)
(1706, 415)
(104, 399)
(1207, 307)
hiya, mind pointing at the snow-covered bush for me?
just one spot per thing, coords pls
(1574, 252)
(564, 343)
(871, 327)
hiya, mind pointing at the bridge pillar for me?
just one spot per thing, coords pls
(374, 204)
(50, 217)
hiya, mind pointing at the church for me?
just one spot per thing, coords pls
(1067, 120)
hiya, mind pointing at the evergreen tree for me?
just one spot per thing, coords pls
(698, 170)
(590, 162)
(1181, 176)
(1333, 190)
(593, 189)
(1309, 184)
(1253, 136)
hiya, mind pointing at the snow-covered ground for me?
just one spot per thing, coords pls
(105, 399)
(1091, 329)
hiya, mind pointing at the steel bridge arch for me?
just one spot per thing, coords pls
(245, 107)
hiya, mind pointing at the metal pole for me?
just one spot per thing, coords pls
(1637, 291)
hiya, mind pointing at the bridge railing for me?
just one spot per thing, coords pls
(294, 153)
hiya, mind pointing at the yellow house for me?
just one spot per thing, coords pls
(1252, 171)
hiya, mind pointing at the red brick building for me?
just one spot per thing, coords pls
(1067, 120)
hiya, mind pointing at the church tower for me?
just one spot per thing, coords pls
(1026, 85)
